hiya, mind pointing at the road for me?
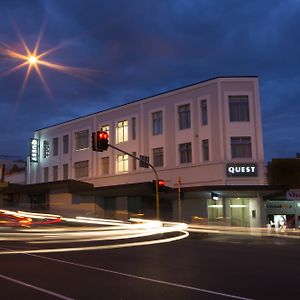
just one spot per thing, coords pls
(205, 265)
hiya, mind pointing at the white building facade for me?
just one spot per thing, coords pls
(208, 133)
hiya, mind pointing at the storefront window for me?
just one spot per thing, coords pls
(215, 211)
(239, 212)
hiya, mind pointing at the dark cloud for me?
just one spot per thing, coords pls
(140, 48)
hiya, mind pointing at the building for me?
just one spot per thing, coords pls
(208, 135)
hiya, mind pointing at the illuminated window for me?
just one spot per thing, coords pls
(184, 116)
(158, 157)
(55, 146)
(122, 163)
(65, 171)
(204, 118)
(81, 169)
(185, 153)
(46, 149)
(46, 174)
(82, 140)
(105, 128)
(157, 123)
(205, 150)
(239, 108)
(105, 165)
(122, 131)
(241, 147)
(55, 173)
(65, 144)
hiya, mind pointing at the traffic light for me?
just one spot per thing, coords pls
(99, 141)
(161, 185)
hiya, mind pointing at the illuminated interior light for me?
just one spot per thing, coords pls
(215, 205)
(238, 205)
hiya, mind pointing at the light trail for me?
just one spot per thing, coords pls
(103, 230)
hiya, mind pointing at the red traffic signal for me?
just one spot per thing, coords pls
(161, 185)
(100, 141)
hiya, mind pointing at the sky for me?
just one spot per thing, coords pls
(127, 50)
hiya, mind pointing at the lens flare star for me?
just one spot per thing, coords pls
(33, 60)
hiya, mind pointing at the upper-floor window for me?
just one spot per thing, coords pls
(184, 116)
(82, 139)
(46, 174)
(122, 131)
(65, 171)
(241, 147)
(81, 169)
(55, 173)
(185, 153)
(204, 118)
(65, 144)
(239, 108)
(55, 146)
(133, 128)
(205, 150)
(105, 165)
(122, 163)
(46, 149)
(158, 157)
(157, 123)
(133, 161)
(105, 128)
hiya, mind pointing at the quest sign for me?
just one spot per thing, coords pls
(241, 170)
(34, 150)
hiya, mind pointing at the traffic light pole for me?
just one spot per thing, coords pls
(155, 172)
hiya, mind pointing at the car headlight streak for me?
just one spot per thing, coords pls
(103, 230)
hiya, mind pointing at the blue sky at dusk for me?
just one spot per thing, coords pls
(128, 50)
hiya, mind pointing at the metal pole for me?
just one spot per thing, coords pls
(156, 176)
(179, 199)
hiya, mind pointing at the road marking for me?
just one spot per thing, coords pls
(36, 288)
(140, 277)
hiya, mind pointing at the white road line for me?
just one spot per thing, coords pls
(141, 278)
(36, 288)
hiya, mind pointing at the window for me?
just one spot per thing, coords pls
(55, 173)
(184, 116)
(133, 124)
(55, 146)
(204, 112)
(81, 169)
(105, 128)
(133, 161)
(65, 171)
(122, 163)
(122, 131)
(46, 149)
(185, 152)
(105, 165)
(158, 157)
(241, 147)
(239, 108)
(205, 150)
(46, 174)
(82, 140)
(65, 144)
(157, 123)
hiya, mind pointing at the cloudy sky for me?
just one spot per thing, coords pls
(127, 50)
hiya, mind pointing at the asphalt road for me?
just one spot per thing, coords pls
(202, 266)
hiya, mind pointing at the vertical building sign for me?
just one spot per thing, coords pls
(34, 150)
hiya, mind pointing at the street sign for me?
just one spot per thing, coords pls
(144, 161)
